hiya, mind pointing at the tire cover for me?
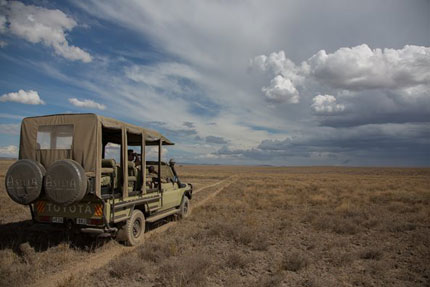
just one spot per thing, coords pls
(65, 182)
(24, 181)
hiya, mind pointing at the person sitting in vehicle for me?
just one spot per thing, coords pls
(152, 172)
(131, 155)
(134, 157)
(137, 159)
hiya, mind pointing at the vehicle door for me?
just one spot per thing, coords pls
(171, 193)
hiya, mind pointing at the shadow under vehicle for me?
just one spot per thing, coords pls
(64, 176)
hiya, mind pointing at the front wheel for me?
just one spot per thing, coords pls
(184, 209)
(132, 231)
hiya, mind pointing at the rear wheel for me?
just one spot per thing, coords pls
(184, 209)
(131, 233)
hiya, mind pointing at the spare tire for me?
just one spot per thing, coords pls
(24, 180)
(65, 182)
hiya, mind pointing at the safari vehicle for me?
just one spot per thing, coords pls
(64, 175)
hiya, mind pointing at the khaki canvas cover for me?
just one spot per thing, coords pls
(86, 146)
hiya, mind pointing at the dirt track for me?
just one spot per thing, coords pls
(98, 260)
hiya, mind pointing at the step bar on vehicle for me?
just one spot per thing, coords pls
(99, 231)
(162, 215)
(152, 218)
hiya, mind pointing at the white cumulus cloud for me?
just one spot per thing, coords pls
(280, 90)
(282, 87)
(360, 67)
(29, 97)
(85, 103)
(277, 63)
(326, 104)
(41, 25)
(357, 68)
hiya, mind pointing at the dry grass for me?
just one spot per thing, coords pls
(371, 254)
(321, 226)
(294, 261)
(187, 270)
(126, 267)
(237, 260)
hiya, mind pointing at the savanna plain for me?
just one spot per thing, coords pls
(250, 226)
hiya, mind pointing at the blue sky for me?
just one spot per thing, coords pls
(231, 82)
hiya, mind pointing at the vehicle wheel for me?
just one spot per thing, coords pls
(132, 231)
(184, 209)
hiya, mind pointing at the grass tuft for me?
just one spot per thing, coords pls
(294, 261)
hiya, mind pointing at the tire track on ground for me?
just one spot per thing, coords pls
(98, 260)
(213, 184)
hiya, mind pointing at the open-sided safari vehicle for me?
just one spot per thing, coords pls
(65, 177)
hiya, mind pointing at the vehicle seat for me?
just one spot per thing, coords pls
(132, 176)
(109, 174)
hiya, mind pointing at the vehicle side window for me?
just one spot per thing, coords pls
(55, 137)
